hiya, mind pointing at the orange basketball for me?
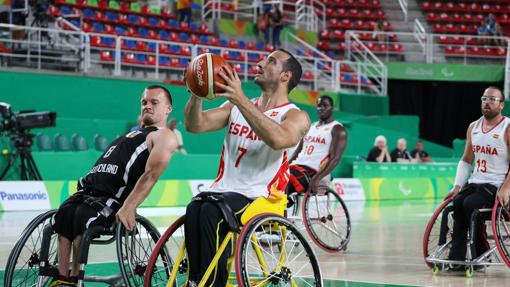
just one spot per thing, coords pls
(201, 74)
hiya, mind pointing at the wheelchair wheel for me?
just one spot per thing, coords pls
(134, 249)
(326, 220)
(271, 251)
(438, 235)
(22, 268)
(501, 231)
(164, 255)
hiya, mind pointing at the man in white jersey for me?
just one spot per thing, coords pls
(253, 159)
(487, 144)
(319, 152)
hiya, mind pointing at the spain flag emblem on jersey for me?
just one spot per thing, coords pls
(496, 136)
(273, 114)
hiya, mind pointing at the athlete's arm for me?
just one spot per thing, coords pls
(296, 152)
(504, 190)
(198, 121)
(465, 163)
(161, 145)
(336, 150)
(286, 134)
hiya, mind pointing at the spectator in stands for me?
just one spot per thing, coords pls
(483, 31)
(498, 32)
(172, 125)
(184, 10)
(490, 21)
(263, 26)
(276, 21)
(379, 153)
(419, 154)
(378, 33)
(400, 154)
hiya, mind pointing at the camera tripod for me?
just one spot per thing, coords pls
(29, 171)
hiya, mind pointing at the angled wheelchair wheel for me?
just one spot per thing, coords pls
(326, 219)
(270, 251)
(501, 231)
(22, 268)
(438, 234)
(165, 255)
(134, 249)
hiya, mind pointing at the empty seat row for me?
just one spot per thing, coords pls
(373, 4)
(475, 51)
(339, 35)
(465, 7)
(91, 16)
(347, 24)
(454, 28)
(175, 49)
(123, 6)
(460, 40)
(354, 13)
(61, 142)
(375, 47)
(464, 18)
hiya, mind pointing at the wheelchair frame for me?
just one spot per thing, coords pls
(241, 241)
(435, 259)
(42, 258)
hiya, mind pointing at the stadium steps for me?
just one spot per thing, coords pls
(412, 52)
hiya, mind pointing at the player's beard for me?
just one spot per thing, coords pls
(489, 114)
(147, 121)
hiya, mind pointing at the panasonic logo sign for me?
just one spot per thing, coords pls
(4, 195)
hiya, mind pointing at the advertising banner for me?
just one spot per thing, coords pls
(445, 72)
(23, 195)
(349, 189)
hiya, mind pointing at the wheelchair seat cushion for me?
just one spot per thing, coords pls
(264, 205)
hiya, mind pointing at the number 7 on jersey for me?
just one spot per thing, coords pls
(242, 151)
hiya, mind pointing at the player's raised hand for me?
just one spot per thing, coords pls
(232, 88)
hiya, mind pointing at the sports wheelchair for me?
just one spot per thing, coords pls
(438, 237)
(33, 260)
(324, 216)
(269, 250)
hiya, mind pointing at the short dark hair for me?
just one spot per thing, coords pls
(500, 92)
(326, 97)
(292, 65)
(165, 91)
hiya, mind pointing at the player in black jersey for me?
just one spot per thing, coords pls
(119, 181)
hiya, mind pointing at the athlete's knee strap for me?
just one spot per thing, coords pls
(226, 211)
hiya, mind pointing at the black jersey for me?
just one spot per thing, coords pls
(116, 172)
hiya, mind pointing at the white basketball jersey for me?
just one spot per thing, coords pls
(491, 153)
(248, 165)
(316, 143)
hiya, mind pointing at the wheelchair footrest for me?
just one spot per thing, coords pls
(48, 271)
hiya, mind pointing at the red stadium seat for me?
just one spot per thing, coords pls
(163, 49)
(106, 56)
(307, 75)
(151, 60)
